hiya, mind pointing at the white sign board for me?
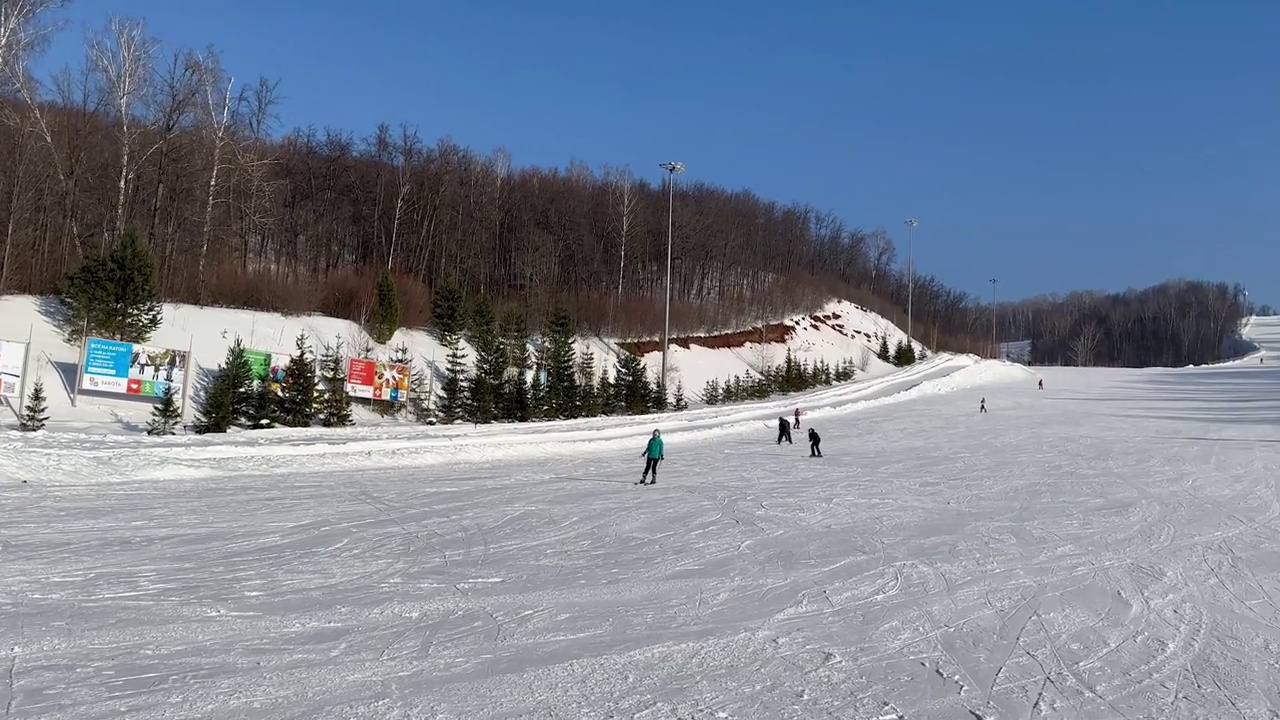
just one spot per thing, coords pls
(13, 358)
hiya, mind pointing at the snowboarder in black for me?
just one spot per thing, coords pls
(814, 442)
(982, 406)
(784, 431)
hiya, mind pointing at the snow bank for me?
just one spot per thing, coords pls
(841, 331)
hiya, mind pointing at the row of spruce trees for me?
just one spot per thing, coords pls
(116, 295)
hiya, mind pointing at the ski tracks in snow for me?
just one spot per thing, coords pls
(936, 564)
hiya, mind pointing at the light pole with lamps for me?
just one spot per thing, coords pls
(911, 273)
(672, 168)
(995, 349)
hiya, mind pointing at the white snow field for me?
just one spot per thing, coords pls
(1108, 547)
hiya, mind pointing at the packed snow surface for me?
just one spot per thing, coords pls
(1105, 548)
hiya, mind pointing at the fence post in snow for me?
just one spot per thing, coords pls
(186, 375)
(84, 351)
(26, 368)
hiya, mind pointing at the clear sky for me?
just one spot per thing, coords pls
(1097, 144)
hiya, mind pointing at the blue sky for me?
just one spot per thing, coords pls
(1097, 144)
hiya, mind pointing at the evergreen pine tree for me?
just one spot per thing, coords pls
(678, 403)
(115, 297)
(385, 318)
(335, 402)
(263, 407)
(35, 410)
(298, 391)
(538, 393)
(589, 404)
(631, 384)
(450, 322)
(909, 354)
(420, 389)
(711, 392)
(606, 394)
(659, 400)
(883, 351)
(562, 383)
(900, 354)
(215, 412)
(484, 387)
(237, 374)
(165, 415)
(514, 396)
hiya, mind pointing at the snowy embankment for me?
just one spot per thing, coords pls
(1102, 548)
(79, 458)
(842, 331)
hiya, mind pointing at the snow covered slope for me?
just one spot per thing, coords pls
(1104, 548)
(843, 330)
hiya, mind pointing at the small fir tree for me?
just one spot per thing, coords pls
(589, 403)
(335, 402)
(385, 319)
(35, 412)
(450, 322)
(514, 397)
(711, 392)
(215, 412)
(562, 383)
(606, 394)
(420, 389)
(298, 391)
(263, 407)
(882, 352)
(484, 387)
(166, 415)
(631, 383)
(659, 401)
(237, 373)
(115, 297)
(678, 403)
(538, 393)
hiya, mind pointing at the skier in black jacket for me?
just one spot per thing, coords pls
(814, 442)
(784, 431)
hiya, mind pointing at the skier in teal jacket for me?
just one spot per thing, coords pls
(652, 455)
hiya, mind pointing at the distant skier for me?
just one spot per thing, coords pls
(982, 406)
(814, 442)
(1041, 383)
(784, 431)
(797, 422)
(652, 455)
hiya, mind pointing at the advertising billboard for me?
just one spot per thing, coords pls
(377, 380)
(13, 358)
(112, 366)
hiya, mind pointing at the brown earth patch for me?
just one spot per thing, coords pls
(773, 333)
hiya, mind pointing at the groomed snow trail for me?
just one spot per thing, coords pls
(1106, 548)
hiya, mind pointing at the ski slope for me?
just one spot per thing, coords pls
(1105, 548)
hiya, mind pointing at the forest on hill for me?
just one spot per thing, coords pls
(237, 211)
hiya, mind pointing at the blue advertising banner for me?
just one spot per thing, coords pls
(120, 367)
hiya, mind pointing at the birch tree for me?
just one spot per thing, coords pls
(216, 107)
(122, 58)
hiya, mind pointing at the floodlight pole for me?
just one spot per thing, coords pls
(995, 349)
(911, 272)
(672, 168)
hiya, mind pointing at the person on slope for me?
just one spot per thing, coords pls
(784, 431)
(814, 442)
(1041, 383)
(982, 406)
(653, 455)
(797, 423)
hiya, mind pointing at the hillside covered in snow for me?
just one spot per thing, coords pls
(841, 332)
